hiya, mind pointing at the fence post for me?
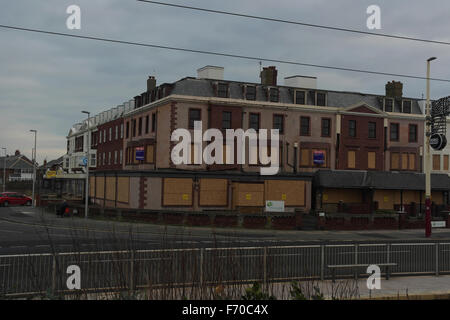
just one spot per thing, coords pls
(202, 257)
(322, 262)
(437, 258)
(265, 265)
(132, 284)
(356, 260)
(53, 287)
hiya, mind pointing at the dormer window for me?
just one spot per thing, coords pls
(222, 90)
(273, 95)
(406, 106)
(300, 97)
(321, 99)
(250, 93)
(388, 104)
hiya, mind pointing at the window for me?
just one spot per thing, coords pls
(321, 98)
(304, 126)
(413, 133)
(300, 97)
(372, 130)
(446, 162)
(407, 106)
(133, 127)
(104, 135)
(254, 121)
(412, 161)
(404, 161)
(250, 93)
(278, 122)
(147, 122)
(117, 132)
(326, 127)
(110, 133)
(194, 115)
(109, 158)
(226, 120)
(100, 141)
(395, 157)
(153, 122)
(140, 127)
(436, 162)
(127, 131)
(222, 90)
(104, 158)
(394, 132)
(304, 157)
(388, 105)
(115, 157)
(121, 131)
(274, 94)
(351, 159)
(352, 128)
(312, 95)
(120, 156)
(371, 160)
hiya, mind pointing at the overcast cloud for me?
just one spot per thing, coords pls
(45, 81)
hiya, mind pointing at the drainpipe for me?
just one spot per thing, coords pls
(295, 156)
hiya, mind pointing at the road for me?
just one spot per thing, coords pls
(30, 230)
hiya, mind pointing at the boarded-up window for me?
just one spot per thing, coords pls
(248, 194)
(351, 159)
(150, 154)
(123, 189)
(213, 192)
(110, 188)
(100, 187)
(436, 162)
(371, 160)
(446, 162)
(291, 192)
(92, 187)
(304, 157)
(177, 192)
(404, 161)
(412, 161)
(395, 158)
(195, 154)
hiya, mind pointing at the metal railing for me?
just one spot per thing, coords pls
(129, 270)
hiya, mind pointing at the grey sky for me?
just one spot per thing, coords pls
(45, 81)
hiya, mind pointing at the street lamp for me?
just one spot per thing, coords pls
(428, 157)
(4, 171)
(34, 166)
(86, 202)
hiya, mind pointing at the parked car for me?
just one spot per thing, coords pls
(14, 198)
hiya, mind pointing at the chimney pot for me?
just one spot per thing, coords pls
(151, 83)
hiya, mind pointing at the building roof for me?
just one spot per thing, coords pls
(389, 180)
(340, 99)
(16, 162)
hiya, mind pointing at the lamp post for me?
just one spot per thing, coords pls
(86, 201)
(34, 167)
(428, 157)
(4, 171)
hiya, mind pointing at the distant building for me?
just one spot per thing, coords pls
(18, 168)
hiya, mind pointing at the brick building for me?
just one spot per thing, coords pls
(320, 130)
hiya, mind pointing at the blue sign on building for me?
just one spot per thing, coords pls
(319, 157)
(140, 155)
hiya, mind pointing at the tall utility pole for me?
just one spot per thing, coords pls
(428, 157)
(34, 166)
(88, 147)
(4, 172)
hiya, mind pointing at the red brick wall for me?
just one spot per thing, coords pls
(110, 146)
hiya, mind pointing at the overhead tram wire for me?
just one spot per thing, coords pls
(295, 22)
(221, 54)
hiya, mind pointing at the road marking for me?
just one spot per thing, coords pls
(42, 245)
(17, 247)
(11, 231)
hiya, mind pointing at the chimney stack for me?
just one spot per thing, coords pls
(17, 153)
(269, 76)
(394, 89)
(151, 83)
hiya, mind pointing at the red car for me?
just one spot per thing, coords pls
(14, 198)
